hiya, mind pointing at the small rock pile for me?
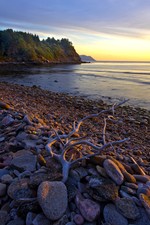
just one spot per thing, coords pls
(103, 190)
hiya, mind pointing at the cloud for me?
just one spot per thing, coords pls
(126, 18)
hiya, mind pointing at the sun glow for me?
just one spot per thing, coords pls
(117, 49)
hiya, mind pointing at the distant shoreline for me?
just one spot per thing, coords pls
(115, 61)
(38, 63)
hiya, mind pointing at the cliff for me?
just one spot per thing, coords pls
(16, 46)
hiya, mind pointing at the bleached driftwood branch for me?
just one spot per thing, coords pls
(67, 143)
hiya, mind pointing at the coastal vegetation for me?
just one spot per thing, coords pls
(17, 46)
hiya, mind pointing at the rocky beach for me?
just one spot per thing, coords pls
(38, 141)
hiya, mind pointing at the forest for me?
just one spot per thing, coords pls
(17, 46)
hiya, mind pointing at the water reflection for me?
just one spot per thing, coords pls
(97, 80)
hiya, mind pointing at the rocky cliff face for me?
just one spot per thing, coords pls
(25, 47)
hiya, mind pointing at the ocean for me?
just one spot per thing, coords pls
(109, 81)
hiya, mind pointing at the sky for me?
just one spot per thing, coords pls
(103, 29)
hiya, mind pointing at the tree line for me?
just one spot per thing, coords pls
(25, 47)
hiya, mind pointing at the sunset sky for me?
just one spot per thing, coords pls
(104, 29)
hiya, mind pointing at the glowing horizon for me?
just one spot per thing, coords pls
(109, 30)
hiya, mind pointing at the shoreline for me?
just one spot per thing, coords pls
(59, 111)
(45, 160)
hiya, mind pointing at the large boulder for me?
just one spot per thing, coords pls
(52, 197)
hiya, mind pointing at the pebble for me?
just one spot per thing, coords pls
(128, 190)
(17, 221)
(25, 162)
(138, 169)
(4, 106)
(113, 171)
(89, 209)
(62, 221)
(103, 189)
(145, 200)
(29, 218)
(3, 172)
(8, 120)
(19, 189)
(40, 219)
(78, 219)
(52, 197)
(3, 189)
(127, 208)
(143, 220)
(4, 217)
(6, 179)
(101, 171)
(142, 178)
(27, 166)
(113, 217)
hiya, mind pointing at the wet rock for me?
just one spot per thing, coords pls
(19, 189)
(127, 208)
(89, 209)
(113, 217)
(113, 171)
(52, 197)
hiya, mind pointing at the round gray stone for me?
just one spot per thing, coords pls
(52, 197)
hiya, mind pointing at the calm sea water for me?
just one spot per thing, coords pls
(110, 81)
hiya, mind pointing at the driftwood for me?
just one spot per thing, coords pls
(67, 142)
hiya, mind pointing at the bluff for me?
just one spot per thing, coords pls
(17, 46)
(86, 58)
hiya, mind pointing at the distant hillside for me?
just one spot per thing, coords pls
(16, 46)
(85, 58)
